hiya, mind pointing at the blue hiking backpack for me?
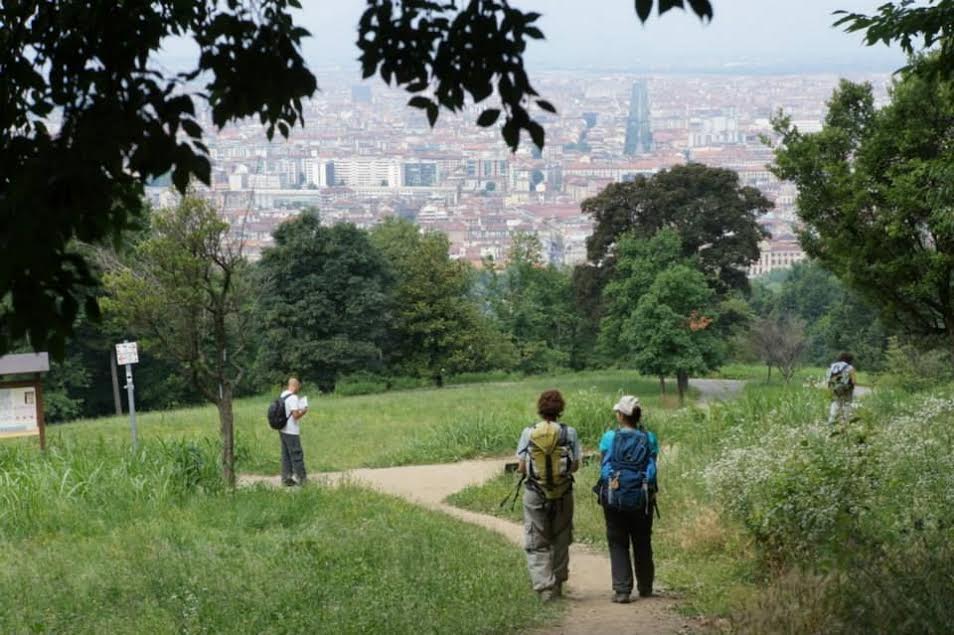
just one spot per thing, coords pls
(629, 461)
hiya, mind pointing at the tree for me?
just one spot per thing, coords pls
(714, 217)
(638, 263)
(670, 331)
(533, 303)
(325, 302)
(438, 327)
(906, 23)
(874, 199)
(122, 122)
(125, 120)
(779, 342)
(185, 289)
(835, 318)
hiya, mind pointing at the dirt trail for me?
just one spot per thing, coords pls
(588, 590)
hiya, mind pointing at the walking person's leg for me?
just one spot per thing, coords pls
(642, 536)
(833, 411)
(562, 526)
(621, 567)
(537, 543)
(286, 460)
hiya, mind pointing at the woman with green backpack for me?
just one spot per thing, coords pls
(548, 454)
(626, 490)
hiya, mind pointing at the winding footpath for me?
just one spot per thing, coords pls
(588, 590)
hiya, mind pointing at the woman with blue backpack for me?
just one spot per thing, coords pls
(626, 490)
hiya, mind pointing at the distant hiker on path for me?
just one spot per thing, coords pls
(293, 459)
(548, 454)
(841, 382)
(626, 490)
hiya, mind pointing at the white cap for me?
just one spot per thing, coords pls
(627, 404)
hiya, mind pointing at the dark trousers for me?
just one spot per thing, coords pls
(622, 530)
(293, 459)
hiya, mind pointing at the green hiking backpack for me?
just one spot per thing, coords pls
(549, 460)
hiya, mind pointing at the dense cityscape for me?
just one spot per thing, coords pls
(364, 155)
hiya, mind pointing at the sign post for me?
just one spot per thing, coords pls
(127, 354)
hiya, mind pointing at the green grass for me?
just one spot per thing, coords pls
(98, 541)
(95, 538)
(396, 428)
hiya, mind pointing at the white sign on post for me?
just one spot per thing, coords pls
(127, 353)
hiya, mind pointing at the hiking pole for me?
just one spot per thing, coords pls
(514, 494)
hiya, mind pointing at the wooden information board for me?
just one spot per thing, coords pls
(21, 399)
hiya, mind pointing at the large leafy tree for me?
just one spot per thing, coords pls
(324, 302)
(533, 303)
(648, 322)
(438, 327)
(671, 330)
(186, 289)
(87, 115)
(714, 216)
(875, 200)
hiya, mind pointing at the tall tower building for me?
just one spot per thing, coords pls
(639, 138)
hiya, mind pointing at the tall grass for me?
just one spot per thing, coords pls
(397, 428)
(96, 539)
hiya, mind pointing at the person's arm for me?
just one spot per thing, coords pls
(854, 378)
(522, 452)
(577, 453)
(296, 412)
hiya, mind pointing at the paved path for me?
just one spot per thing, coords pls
(716, 389)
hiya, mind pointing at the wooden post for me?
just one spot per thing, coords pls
(40, 419)
(117, 401)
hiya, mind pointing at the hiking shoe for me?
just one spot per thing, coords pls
(645, 593)
(622, 598)
(287, 482)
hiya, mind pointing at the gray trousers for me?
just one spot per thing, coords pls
(293, 459)
(840, 410)
(548, 532)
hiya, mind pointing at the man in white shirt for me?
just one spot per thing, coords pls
(293, 459)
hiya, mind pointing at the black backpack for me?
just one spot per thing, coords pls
(276, 413)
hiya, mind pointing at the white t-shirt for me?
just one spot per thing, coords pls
(291, 404)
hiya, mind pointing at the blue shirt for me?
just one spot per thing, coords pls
(606, 444)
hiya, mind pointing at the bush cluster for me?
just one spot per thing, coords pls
(861, 515)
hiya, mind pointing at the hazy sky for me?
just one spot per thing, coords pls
(770, 35)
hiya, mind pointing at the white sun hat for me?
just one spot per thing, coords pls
(627, 404)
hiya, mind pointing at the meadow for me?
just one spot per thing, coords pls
(763, 510)
(425, 425)
(97, 538)
(95, 541)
